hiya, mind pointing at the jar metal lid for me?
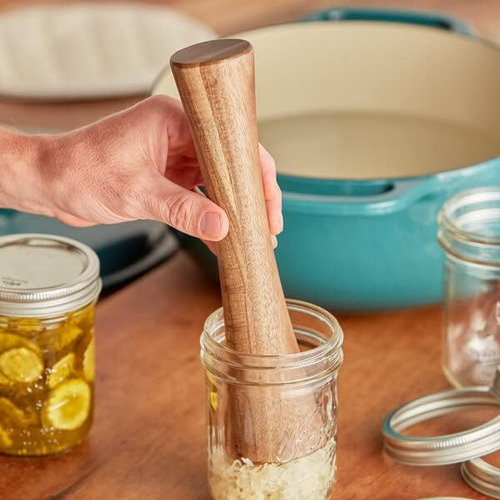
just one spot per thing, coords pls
(44, 275)
(482, 476)
(449, 448)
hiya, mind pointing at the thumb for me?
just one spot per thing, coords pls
(185, 210)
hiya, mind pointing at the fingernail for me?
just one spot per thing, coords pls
(210, 226)
(282, 224)
(274, 241)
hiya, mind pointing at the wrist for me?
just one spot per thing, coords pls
(21, 162)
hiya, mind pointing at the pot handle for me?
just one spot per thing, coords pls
(431, 19)
(355, 198)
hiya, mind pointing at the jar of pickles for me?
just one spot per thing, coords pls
(305, 463)
(48, 289)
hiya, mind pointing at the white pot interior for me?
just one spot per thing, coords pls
(373, 100)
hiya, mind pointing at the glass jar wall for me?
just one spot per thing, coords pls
(470, 236)
(46, 382)
(303, 385)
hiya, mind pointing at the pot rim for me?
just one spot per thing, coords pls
(400, 191)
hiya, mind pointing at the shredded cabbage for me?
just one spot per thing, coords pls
(309, 477)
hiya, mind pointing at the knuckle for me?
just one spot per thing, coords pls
(159, 104)
(158, 110)
(157, 101)
(180, 210)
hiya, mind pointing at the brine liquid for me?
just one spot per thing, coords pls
(352, 145)
(46, 382)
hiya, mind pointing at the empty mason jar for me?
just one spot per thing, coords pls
(292, 381)
(469, 233)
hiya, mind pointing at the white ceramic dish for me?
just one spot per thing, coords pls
(87, 51)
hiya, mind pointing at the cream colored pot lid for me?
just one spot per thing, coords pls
(89, 50)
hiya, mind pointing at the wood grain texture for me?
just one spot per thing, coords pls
(217, 88)
(149, 439)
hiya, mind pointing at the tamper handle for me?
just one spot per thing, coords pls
(216, 84)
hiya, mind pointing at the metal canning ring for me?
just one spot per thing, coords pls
(448, 448)
(482, 476)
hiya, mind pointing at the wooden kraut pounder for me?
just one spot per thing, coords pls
(216, 85)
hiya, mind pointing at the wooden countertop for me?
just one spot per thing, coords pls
(148, 439)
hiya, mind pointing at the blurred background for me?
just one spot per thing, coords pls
(66, 64)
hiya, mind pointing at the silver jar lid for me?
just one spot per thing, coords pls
(43, 275)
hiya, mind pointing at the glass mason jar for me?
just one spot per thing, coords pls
(469, 233)
(303, 385)
(48, 289)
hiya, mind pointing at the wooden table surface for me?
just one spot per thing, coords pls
(148, 439)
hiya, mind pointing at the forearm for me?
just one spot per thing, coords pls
(22, 158)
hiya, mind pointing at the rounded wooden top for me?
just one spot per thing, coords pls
(210, 52)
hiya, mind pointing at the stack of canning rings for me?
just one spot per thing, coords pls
(465, 447)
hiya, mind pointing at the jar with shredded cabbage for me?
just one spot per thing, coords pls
(305, 463)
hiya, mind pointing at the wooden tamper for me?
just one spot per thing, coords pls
(217, 88)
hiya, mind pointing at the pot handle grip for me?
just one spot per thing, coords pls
(379, 197)
(431, 19)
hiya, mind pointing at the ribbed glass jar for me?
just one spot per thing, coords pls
(48, 289)
(303, 385)
(469, 233)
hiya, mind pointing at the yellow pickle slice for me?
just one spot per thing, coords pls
(68, 405)
(62, 370)
(89, 361)
(5, 439)
(59, 339)
(69, 335)
(4, 380)
(9, 341)
(21, 365)
(10, 412)
(13, 416)
(26, 327)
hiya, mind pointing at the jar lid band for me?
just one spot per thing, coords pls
(467, 446)
(482, 476)
(449, 448)
(44, 275)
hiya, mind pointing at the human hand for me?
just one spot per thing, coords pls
(137, 164)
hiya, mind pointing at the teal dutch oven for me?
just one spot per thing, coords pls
(374, 122)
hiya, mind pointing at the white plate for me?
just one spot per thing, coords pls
(83, 51)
